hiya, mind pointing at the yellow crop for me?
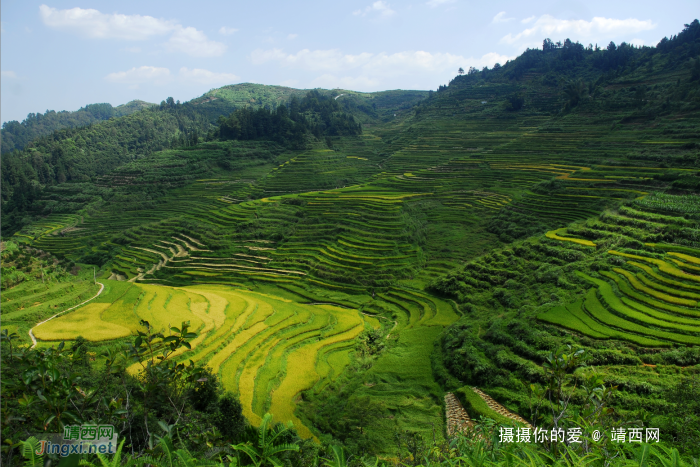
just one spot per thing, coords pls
(84, 321)
(554, 235)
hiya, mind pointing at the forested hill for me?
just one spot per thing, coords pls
(364, 106)
(73, 155)
(562, 76)
(16, 135)
(631, 83)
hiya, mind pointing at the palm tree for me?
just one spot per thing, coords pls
(338, 460)
(265, 453)
(575, 91)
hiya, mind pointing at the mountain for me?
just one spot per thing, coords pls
(524, 229)
(80, 154)
(16, 135)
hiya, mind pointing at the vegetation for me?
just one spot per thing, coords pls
(16, 135)
(525, 237)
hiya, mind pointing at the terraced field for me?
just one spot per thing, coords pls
(651, 297)
(265, 348)
(282, 261)
(32, 302)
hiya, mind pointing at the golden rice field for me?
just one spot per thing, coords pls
(264, 348)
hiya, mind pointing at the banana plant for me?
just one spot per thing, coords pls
(268, 448)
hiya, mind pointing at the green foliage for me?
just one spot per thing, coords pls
(30, 447)
(229, 417)
(452, 192)
(574, 92)
(684, 417)
(16, 135)
(316, 113)
(270, 444)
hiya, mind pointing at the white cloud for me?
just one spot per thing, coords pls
(528, 20)
(501, 18)
(369, 70)
(637, 42)
(290, 83)
(143, 74)
(437, 3)
(292, 36)
(151, 75)
(198, 75)
(334, 60)
(227, 31)
(94, 24)
(600, 29)
(312, 60)
(331, 81)
(8, 74)
(194, 43)
(91, 23)
(379, 7)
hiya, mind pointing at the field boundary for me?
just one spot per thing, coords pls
(31, 334)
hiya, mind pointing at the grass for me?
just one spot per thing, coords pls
(639, 323)
(638, 285)
(662, 279)
(662, 265)
(617, 327)
(573, 317)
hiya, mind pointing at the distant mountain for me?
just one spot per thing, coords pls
(366, 106)
(250, 94)
(16, 135)
(53, 148)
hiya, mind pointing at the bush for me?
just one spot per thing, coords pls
(229, 417)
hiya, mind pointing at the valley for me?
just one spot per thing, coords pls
(361, 284)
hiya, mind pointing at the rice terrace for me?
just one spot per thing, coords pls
(398, 273)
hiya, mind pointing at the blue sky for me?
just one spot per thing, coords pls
(62, 55)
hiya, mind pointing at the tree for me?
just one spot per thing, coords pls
(229, 417)
(695, 71)
(515, 102)
(460, 71)
(268, 448)
(575, 91)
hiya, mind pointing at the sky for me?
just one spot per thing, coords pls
(65, 54)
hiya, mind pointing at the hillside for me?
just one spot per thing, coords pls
(16, 135)
(77, 155)
(551, 201)
(257, 95)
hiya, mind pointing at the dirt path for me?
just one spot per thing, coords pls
(499, 408)
(31, 334)
(194, 241)
(457, 418)
(189, 245)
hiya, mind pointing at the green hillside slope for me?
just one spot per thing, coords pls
(16, 135)
(549, 201)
